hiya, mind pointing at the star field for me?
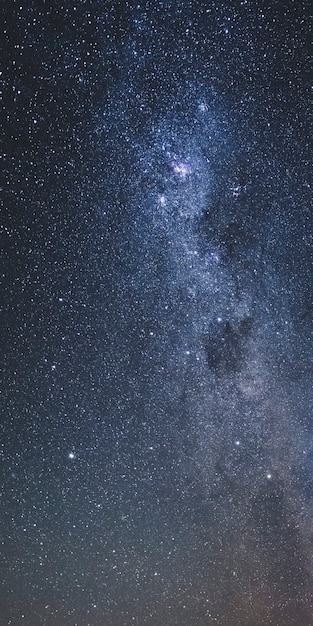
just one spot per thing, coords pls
(156, 438)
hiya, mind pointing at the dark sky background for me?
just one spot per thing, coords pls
(156, 337)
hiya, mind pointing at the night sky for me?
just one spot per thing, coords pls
(156, 325)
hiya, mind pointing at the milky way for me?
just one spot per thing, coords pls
(156, 438)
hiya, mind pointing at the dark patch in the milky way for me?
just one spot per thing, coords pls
(233, 238)
(226, 344)
(206, 228)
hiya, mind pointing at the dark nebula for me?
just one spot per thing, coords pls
(226, 347)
